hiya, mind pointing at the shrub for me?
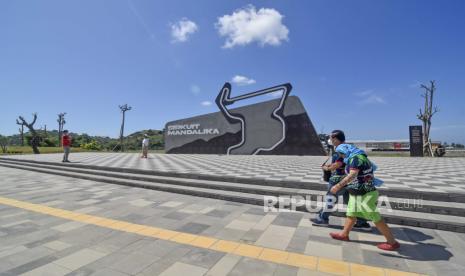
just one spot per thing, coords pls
(92, 145)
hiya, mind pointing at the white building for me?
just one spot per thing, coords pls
(382, 145)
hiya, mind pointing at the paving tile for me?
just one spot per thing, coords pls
(9, 215)
(79, 259)
(107, 272)
(184, 269)
(202, 257)
(89, 201)
(140, 202)
(23, 257)
(264, 222)
(14, 223)
(206, 210)
(193, 228)
(171, 204)
(88, 210)
(225, 246)
(324, 250)
(250, 217)
(68, 226)
(275, 256)
(333, 266)
(218, 213)
(288, 219)
(50, 269)
(251, 236)
(250, 251)
(248, 266)
(276, 236)
(283, 270)
(23, 268)
(11, 250)
(230, 234)
(224, 265)
(241, 225)
(115, 241)
(361, 270)
(134, 263)
(57, 245)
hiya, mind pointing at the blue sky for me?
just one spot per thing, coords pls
(356, 65)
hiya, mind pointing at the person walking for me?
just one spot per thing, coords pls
(66, 143)
(363, 195)
(145, 146)
(337, 168)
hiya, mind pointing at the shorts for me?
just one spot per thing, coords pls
(364, 206)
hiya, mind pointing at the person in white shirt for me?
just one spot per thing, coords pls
(145, 146)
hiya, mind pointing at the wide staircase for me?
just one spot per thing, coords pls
(412, 208)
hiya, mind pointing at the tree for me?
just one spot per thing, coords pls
(4, 143)
(425, 116)
(35, 139)
(61, 122)
(123, 109)
(21, 132)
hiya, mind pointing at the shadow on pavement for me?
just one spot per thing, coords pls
(416, 248)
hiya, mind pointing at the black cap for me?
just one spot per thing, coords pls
(338, 134)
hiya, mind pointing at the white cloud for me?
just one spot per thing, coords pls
(242, 80)
(364, 93)
(373, 99)
(195, 89)
(247, 25)
(181, 30)
(206, 103)
(369, 97)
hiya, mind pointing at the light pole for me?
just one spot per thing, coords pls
(123, 109)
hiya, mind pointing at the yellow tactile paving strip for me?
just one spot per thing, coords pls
(257, 252)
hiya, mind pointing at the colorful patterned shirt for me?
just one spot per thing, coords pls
(364, 181)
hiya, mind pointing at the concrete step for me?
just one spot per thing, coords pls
(433, 221)
(412, 205)
(314, 186)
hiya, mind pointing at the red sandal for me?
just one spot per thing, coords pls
(388, 246)
(338, 236)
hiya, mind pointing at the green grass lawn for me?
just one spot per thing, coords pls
(28, 150)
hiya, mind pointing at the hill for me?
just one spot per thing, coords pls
(88, 142)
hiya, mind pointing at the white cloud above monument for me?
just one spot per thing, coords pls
(249, 25)
(182, 30)
(242, 80)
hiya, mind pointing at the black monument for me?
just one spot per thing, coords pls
(416, 141)
(276, 127)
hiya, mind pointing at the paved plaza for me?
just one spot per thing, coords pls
(441, 175)
(54, 225)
